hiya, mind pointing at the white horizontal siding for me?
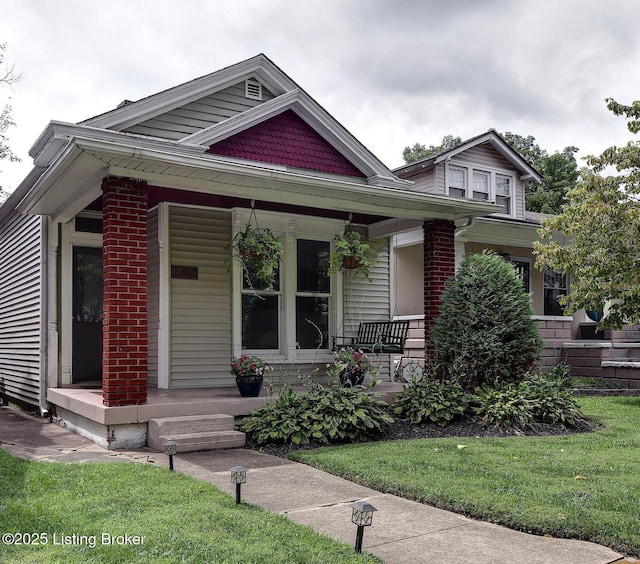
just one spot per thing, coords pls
(200, 309)
(20, 316)
(198, 115)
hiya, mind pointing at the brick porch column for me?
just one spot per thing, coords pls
(124, 252)
(439, 266)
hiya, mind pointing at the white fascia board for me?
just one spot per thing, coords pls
(86, 159)
(496, 231)
(193, 90)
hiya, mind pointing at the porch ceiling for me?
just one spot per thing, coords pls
(74, 180)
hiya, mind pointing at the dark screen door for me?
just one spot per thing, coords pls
(87, 315)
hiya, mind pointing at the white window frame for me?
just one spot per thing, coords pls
(291, 228)
(469, 170)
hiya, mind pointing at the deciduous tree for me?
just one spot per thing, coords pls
(419, 151)
(8, 76)
(596, 236)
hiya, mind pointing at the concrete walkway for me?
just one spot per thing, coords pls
(402, 531)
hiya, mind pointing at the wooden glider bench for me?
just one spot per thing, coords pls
(378, 337)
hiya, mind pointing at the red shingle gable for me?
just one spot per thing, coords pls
(286, 139)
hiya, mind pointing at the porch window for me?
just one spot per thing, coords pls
(503, 192)
(523, 270)
(480, 185)
(555, 285)
(457, 184)
(260, 313)
(313, 290)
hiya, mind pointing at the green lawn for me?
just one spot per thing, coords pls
(176, 519)
(584, 486)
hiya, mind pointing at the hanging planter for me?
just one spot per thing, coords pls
(259, 252)
(351, 254)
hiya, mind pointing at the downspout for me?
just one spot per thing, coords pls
(464, 228)
(44, 320)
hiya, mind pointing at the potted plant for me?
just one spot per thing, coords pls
(350, 366)
(249, 372)
(259, 252)
(351, 253)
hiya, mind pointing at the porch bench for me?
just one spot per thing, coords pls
(378, 337)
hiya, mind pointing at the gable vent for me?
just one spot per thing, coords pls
(253, 89)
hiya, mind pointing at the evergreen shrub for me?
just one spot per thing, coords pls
(485, 332)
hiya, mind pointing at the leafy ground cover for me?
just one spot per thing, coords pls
(166, 517)
(579, 485)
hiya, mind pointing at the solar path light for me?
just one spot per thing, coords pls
(362, 515)
(170, 448)
(238, 477)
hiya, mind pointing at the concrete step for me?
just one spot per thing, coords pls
(192, 424)
(190, 442)
(194, 432)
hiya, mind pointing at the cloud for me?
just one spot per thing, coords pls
(393, 73)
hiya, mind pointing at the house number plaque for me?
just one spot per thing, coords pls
(184, 272)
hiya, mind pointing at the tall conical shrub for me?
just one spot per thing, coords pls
(485, 332)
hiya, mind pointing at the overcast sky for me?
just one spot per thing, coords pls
(392, 72)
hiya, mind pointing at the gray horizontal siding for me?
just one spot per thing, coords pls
(199, 115)
(369, 301)
(20, 301)
(200, 309)
(153, 302)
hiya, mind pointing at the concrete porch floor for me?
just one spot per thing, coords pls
(87, 403)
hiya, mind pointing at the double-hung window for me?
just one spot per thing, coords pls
(313, 290)
(296, 313)
(457, 182)
(481, 185)
(503, 192)
(261, 312)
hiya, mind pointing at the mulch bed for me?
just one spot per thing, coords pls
(467, 427)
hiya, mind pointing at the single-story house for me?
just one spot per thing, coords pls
(120, 308)
(118, 302)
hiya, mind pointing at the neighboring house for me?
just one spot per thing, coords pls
(117, 298)
(485, 168)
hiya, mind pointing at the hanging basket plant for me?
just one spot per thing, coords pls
(259, 252)
(352, 254)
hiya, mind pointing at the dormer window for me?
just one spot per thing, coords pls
(253, 89)
(483, 185)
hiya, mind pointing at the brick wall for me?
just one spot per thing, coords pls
(124, 353)
(555, 332)
(439, 267)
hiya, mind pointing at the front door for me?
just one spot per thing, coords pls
(87, 316)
